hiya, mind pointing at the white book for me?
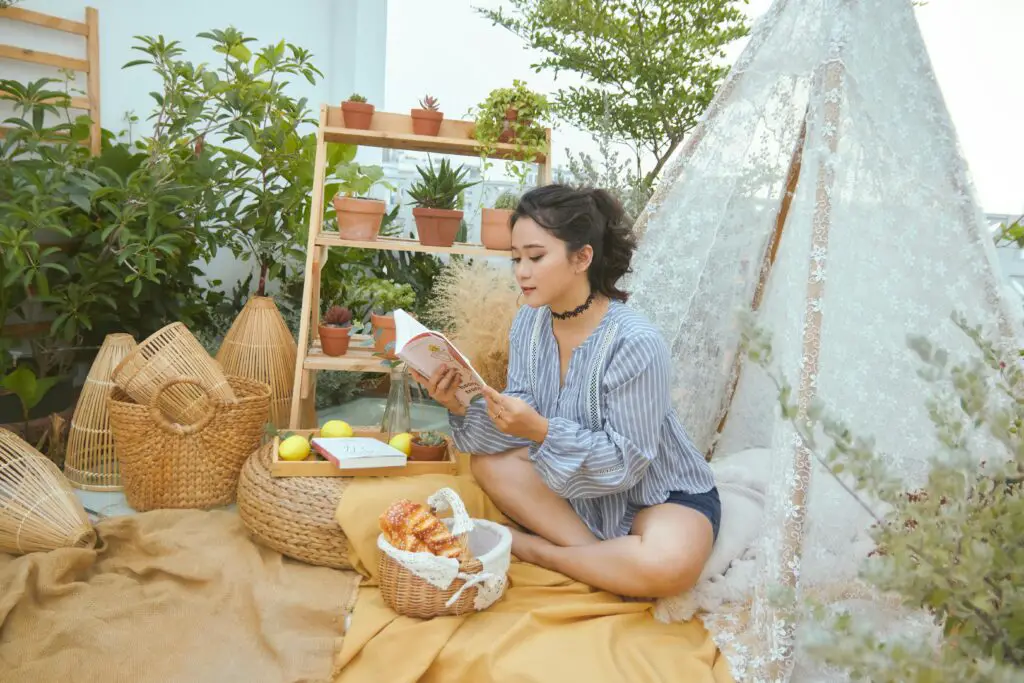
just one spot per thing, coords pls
(358, 452)
(425, 351)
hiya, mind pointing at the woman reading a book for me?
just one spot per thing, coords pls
(583, 448)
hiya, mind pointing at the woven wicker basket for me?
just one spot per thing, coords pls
(489, 547)
(171, 465)
(293, 515)
(169, 353)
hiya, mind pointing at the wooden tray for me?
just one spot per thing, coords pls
(319, 467)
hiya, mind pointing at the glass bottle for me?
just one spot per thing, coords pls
(398, 409)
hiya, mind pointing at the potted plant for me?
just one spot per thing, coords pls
(513, 115)
(359, 218)
(495, 231)
(436, 195)
(335, 331)
(428, 446)
(358, 113)
(386, 296)
(427, 119)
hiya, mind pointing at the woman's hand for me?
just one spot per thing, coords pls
(515, 417)
(442, 386)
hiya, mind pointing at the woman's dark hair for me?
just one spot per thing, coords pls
(585, 216)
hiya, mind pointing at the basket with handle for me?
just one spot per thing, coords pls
(424, 585)
(169, 353)
(166, 464)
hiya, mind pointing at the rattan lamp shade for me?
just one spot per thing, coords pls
(38, 508)
(90, 462)
(259, 346)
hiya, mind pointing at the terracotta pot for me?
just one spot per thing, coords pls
(334, 340)
(511, 115)
(359, 219)
(495, 232)
(357, 114)
(437, 227)
(422, 453)
(426, 122)
(383, 334)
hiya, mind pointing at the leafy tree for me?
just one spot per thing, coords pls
(651, 66)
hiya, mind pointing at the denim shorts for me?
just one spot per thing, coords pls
(707, 503)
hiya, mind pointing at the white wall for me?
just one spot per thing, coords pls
(347, 39)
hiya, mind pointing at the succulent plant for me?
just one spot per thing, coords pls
(507, 200)
(430, 103)
(337, 316)
(430, 438)
(356, 97)
(440, 189)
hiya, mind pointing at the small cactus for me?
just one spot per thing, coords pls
(430, 103)
(507, 200)
(356, 97)
(430, 439)
(337, 316)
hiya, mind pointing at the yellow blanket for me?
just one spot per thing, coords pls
(545, 628)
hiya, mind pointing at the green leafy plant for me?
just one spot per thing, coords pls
(952, 549)
(529, 135)
(356, 180)
(650, 67)
(386, 296)
(440, 189)
(30, 390)
(356, 97)
(430, 438)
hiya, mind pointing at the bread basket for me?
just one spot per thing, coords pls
(424, 585)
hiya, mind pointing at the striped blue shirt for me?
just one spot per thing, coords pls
(614, 444)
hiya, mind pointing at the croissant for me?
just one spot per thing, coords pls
(413, 527)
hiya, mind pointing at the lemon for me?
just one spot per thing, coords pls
(294, 448)
(402, 442)
(333, 429)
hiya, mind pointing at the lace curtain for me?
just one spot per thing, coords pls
(882, 239)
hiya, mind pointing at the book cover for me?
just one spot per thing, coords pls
(356, 452)
(425, 351)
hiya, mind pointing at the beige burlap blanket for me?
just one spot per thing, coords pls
(170, 597)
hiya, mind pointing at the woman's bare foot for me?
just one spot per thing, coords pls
(528, 547)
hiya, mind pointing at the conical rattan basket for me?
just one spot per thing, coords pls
(259, 346)
(90, 462)
(38, 508)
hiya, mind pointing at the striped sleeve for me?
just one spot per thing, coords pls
(474, 432)
(577, 462)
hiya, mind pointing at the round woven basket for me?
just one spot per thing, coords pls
(169, 353)
(485, 544)
(293, 515)
(171, 465)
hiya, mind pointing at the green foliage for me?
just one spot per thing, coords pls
(954, 548)
(1012, 233)
(385, 296)
(651, 66)
(430, 438)
(356, 180)
(30, 390)
(528, 132)
(240, 115)
(440, 189)
(507, 200)
(356, 97)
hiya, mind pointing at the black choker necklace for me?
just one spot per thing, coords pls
(576, 311)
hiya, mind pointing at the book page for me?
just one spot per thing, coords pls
(425, 351)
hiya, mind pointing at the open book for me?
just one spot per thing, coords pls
(425, 351)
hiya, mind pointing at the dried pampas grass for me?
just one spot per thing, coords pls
(475, 304)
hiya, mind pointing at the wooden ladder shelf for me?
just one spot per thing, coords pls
(390, 131)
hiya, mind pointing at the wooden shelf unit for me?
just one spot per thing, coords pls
(389, 131)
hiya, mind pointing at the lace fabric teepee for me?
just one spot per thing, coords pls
(824, 188)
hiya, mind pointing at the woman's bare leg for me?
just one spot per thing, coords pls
(515, 487)
(663, 556)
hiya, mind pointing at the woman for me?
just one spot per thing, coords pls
(583, 448)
